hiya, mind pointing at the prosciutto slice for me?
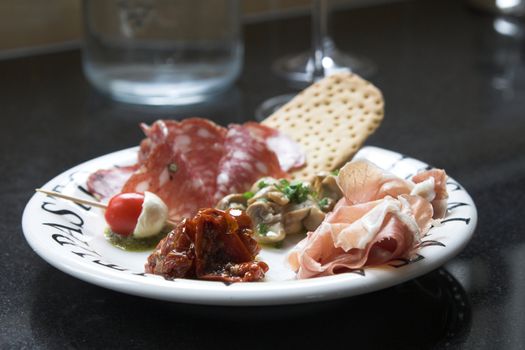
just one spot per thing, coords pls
(362, 181)
(371, 233)
(432, 185)
(380, 218)
(192, 164)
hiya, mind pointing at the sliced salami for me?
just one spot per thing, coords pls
(167, 130)
(106, 183)
(181, 166)
(289, 153)
(247, 158)
(193, 163)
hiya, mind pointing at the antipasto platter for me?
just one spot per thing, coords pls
(291, 210)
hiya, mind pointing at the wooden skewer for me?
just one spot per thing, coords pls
(73, 199)
(84, 201)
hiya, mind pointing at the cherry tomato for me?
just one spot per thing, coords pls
(123, 212)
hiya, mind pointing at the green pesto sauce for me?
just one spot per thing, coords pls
(276, 245)
(132, 244)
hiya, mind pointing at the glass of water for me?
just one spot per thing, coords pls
(162, 52)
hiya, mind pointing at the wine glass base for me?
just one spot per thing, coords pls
(299, 68)
(268, 107)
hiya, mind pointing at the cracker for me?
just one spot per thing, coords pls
(331, 120)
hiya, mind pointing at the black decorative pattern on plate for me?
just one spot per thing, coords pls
(405, 261)
(454, 186)
(394, 164)
(465, 220)
(360, 272)
(431, 242)
(454, 205)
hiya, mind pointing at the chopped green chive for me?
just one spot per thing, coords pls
(262, 184)
(323, 203)
(248, 194)
(335, 172)
(296, 193)
(262, 229)
(284, 182)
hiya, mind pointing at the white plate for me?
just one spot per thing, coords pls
(70, 237)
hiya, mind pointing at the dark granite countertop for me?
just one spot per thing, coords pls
(454, 85)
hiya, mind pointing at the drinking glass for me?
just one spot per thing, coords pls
(162, 52)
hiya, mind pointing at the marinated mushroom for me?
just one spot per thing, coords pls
(264, 212)
(262, 183)
(266, 218)
(314, 219)
(281, 207)
(327, 189)
(269, 234)
(302, 218)
(233, 201)
(261, 194)
(278, 197)
(293, 220)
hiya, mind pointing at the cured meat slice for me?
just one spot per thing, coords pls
(213, 245)
(362, 181)
(432, 184)
(181, 166)
(381, 217)
(106, 183)
(161, 168)
(192, 164)
(289, 153)
(371, 233)
(163, 131)
(246, 159)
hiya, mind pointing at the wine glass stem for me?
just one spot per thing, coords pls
(319, 27)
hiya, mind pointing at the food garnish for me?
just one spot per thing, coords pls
(323, 203)
(262, 229)
(123, 212)
(136, 214)
(261, 184)
(296, 192)
(248, 194)
(135, 221)
(132, 244)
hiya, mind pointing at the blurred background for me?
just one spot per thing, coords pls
(34, 26)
